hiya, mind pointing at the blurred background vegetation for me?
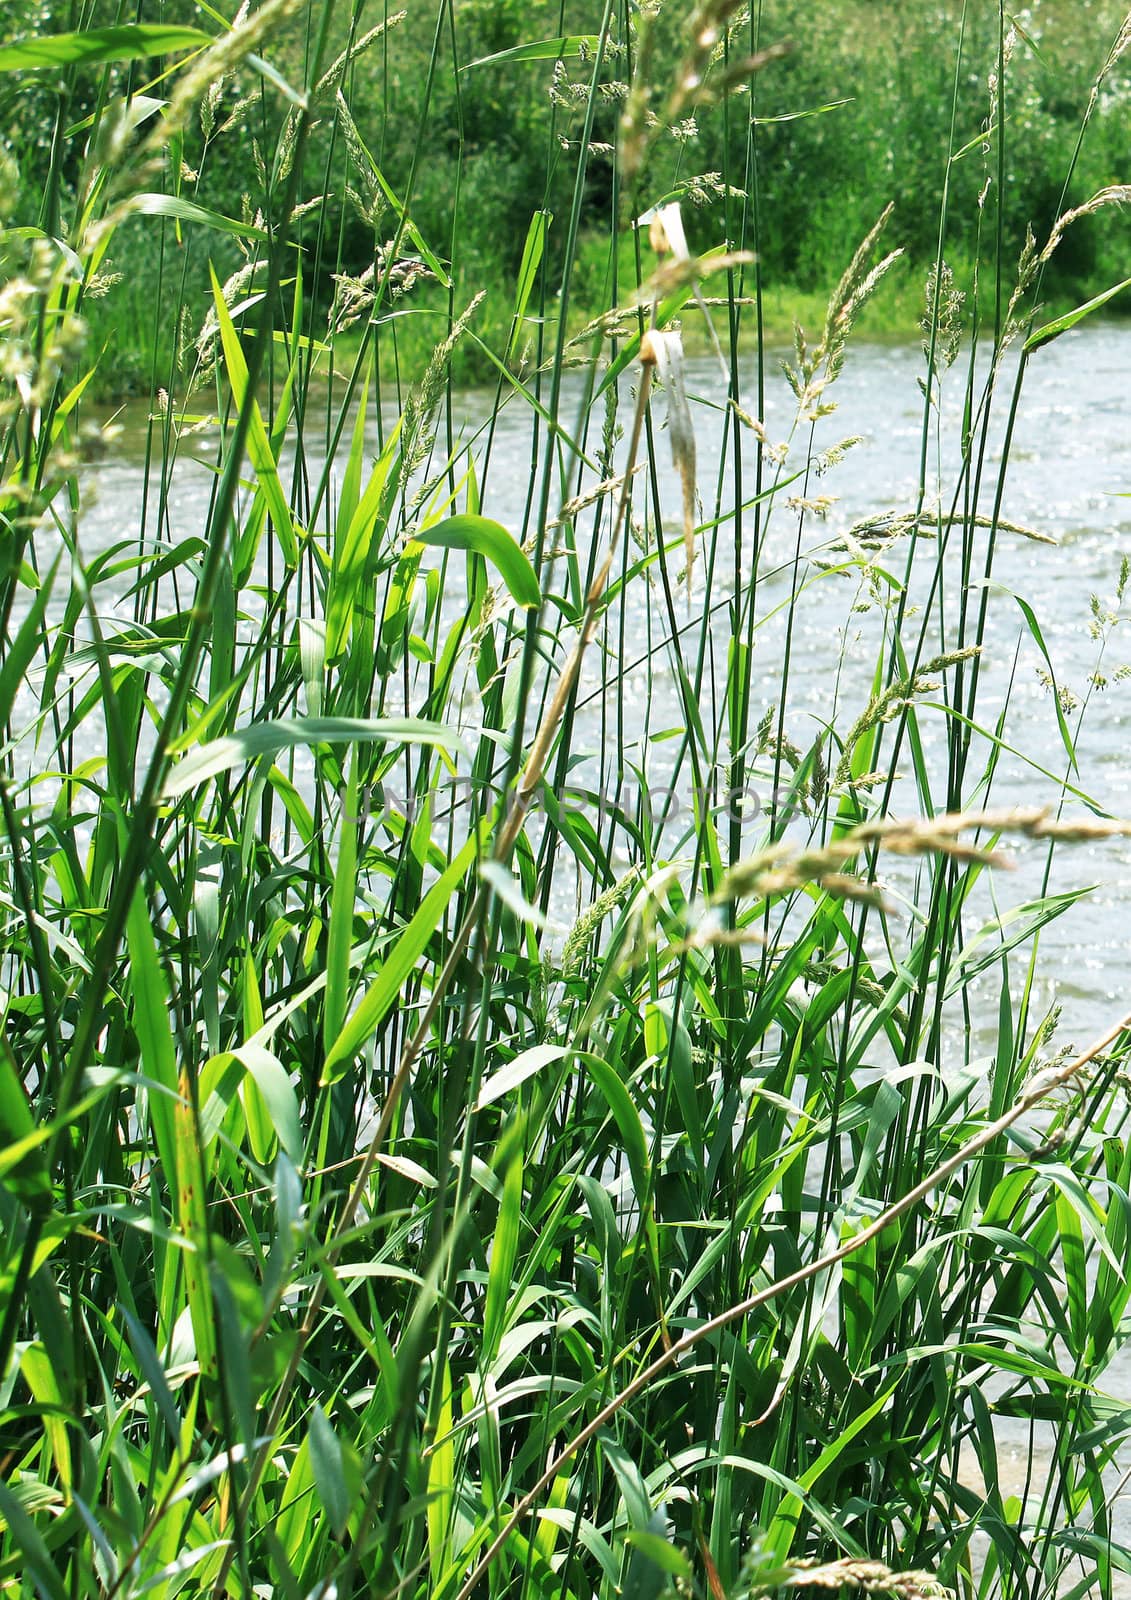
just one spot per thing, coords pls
(857, 114)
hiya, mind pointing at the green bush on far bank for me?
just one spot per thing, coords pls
(855, 115)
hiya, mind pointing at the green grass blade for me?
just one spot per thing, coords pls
(1059, 325)
(127, 42)
(504, 1253)
(259, 449)
(180, 210)
(269, 738)
(541, 50)
(383, 993)
(532, 252)
(492, 541)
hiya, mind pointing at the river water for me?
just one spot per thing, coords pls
(1069, 477)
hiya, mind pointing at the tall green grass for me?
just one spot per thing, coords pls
(364, 1232)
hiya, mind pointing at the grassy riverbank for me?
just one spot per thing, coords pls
(493, 1103)
(857, 113)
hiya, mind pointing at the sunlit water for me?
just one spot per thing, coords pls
(1069, 477)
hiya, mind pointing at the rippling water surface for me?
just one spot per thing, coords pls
(1069, 477)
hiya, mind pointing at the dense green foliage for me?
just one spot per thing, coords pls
(858, 114)
(362, 1233)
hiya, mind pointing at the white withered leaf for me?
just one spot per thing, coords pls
(664, 351)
